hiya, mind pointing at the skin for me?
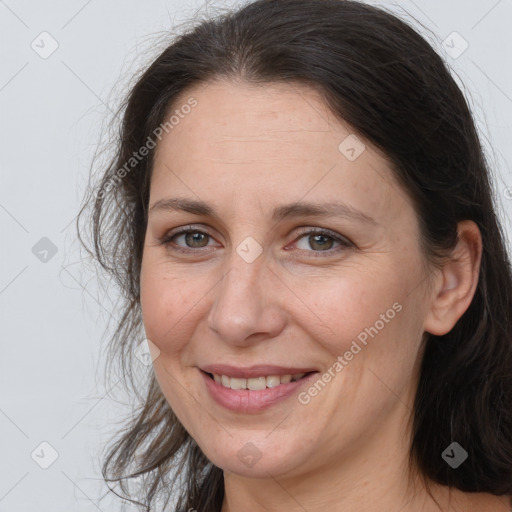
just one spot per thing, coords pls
(247, 149)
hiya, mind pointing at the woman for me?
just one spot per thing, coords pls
(300, 218)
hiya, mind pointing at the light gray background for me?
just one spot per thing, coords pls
(53, 313)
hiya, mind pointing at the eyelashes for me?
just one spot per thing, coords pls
(311, 236)
(318, 236)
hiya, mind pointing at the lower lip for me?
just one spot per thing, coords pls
(245, 400)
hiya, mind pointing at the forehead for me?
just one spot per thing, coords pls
(289, 120)
(259, 140)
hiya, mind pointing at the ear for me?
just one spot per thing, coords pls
(456, 283)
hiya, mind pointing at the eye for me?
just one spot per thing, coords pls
(191, 240)
(321, 241)
(186, 240)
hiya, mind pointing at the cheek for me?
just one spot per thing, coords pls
(163, 304)
(367, 318)
(338, 308)
(173, 304)
(369, 337)
(169, 318)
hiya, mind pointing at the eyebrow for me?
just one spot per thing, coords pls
(297, 209)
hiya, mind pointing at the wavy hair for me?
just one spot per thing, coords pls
(379, 75)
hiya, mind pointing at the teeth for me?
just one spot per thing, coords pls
(237, 383)
(256, 383)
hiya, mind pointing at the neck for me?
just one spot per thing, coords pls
(313, 495)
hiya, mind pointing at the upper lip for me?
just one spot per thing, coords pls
(254, 371)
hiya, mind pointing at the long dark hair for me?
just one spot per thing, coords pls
(379, 75)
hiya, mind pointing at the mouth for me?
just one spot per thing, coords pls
(256, 392)
(256, 383)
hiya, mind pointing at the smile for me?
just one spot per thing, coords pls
(253, 394)
(255, 383)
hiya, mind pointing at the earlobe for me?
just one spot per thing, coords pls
(456, 282)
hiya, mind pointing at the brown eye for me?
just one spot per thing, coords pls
(321, 241)
(187, 240)
(196, 239)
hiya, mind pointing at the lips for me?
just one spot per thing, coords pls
(253, 401)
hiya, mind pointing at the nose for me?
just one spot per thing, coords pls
(246, 306)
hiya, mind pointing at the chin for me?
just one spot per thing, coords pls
(257, 459)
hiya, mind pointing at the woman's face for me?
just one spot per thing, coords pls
(334, 285)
